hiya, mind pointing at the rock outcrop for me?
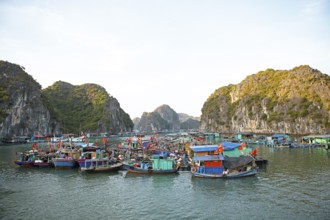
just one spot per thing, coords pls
(164, 118)
(22, 110)
(293, 101)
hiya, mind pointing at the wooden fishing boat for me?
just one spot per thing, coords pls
(100, 165)
(26, 158)
(66, 158)
(44, 160)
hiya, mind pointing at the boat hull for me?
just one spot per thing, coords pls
(137, 170)
(23, 163)
(228, 176)
(43, 164)
(102, 168)
(85, 163)
(64, 163)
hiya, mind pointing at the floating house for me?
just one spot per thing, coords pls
(210, 162)
(245, 136)
(323, 140)
(230, 149)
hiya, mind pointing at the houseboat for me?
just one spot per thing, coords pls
(212, 162)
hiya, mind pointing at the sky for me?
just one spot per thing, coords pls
(147, 53)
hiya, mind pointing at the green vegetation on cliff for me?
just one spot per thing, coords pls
(86, 107)
(264, 100)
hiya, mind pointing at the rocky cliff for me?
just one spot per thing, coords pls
(22, 111)
(169, 115)
(295, 101)
(86, 107)
(164, 118)
(25, 109)
(152, 122)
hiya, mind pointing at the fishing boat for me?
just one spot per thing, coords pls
(211, 163)
(183, 164)
(66, 158)
(157, 164)
(25, 158)
(43, 160)
(100, 165)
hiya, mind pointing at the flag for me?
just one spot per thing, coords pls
(219, 149)
(253, 153)
(240, 147)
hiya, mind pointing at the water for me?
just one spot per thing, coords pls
(294, 185)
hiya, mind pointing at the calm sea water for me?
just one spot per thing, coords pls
(294, 185)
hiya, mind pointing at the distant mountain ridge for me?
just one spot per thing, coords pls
(293, 101)
(164, 118)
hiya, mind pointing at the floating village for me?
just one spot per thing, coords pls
(204, 155)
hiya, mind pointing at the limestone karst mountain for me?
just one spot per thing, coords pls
(295, 101)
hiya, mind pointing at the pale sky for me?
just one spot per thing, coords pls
(146, 53)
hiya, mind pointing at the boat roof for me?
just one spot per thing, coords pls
(208, 157)
(279, 135)
(206, 148)
(317, 136)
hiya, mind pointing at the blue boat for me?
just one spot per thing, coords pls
(209, 162)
